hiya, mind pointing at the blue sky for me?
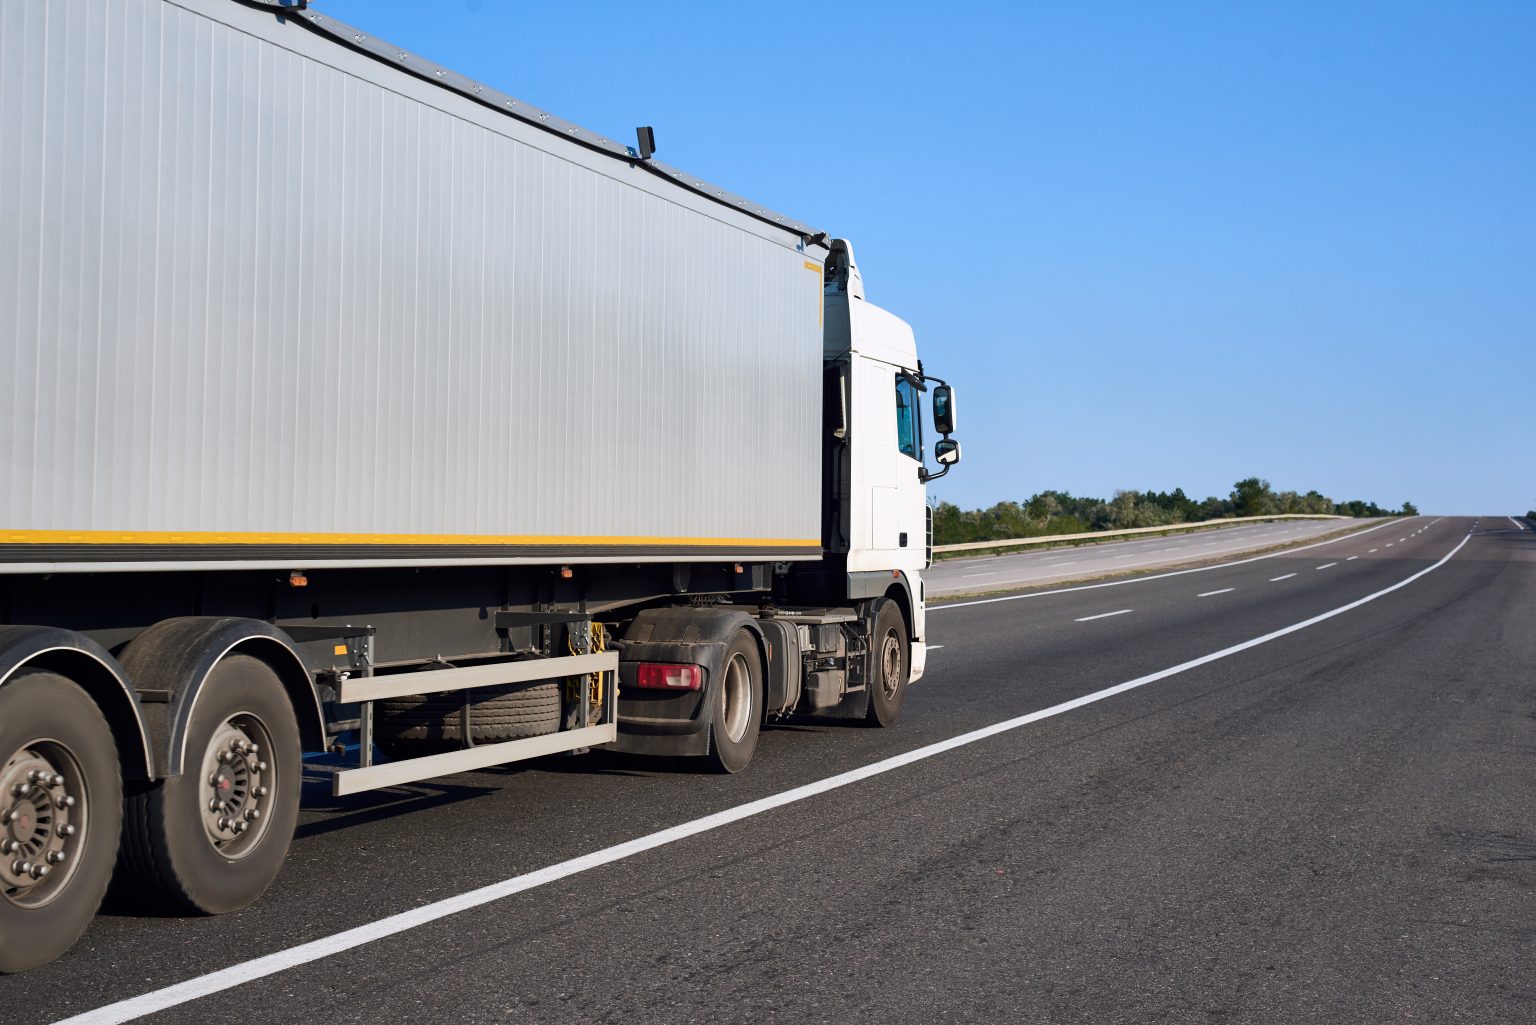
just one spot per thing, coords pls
(1152, 245)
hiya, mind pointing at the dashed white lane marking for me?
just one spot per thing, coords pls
(935, 647)
(1326, 565)
(1373, 551)
(1390, 543)
(1402, 539)
(1352, 558)
(1276, 580)
(362, 935)
(1207, 594)
(992, 574)
(1103, 615)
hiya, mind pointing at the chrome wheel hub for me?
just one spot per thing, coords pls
(890, 664)
(736, 697)
(235, 785)
(42, 814)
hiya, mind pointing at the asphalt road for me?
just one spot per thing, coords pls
(984, 573)
(1332, 824)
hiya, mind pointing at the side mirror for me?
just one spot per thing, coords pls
(946, 450)
(943, 410)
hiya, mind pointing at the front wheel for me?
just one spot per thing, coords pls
(737, 714)
(213, 838)
(60, 814)
(891, 656)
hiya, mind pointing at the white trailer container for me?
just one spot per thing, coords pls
(351, 405)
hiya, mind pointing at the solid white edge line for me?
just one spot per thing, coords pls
(1103, 615)
(304, 953)
(1207, 594)
(1517, 523)
(1155, 576)
(1276, 580)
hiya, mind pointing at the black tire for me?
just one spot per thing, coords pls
(736, 698)
(890, 665)
(497, 714)
(46, 719)
(169, 848)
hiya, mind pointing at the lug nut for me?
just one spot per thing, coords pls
(56, 857)
(21, 789)
(38, 871)
(66, 830)
(213, 805)
(261, 766)
(66, 802)
(223, 757)
(7, 846)
(261, 791)
(56, 780)
(12, 816)
(251, 749)
(21, 868)
(253, 814)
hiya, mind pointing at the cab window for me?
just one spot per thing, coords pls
(908, 435)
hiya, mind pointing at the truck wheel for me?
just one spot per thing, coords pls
(891, 653)
(738, 713)
(61, 808)
(213, 838)
(410, 724)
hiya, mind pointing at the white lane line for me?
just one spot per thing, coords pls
(1327, 565)
(1352, 558)
(1389, 544)
(1155, 576)
(1276, 580)
(362, 935)
(1516, 522)
(1103, 615)
(935, 647)
(1402, 539)
(1373, 551)
(1207, 594)
(994, 573)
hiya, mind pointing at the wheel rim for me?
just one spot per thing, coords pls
(236, 784)
(890, 665)
(736, 697)
(43, 818)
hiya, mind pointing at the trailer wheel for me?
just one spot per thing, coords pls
(213, 839)
(891, 653)
(738, 712)
(61, 806)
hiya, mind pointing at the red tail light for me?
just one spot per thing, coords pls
(668, 676)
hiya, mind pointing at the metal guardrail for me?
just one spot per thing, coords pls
(1098, 535)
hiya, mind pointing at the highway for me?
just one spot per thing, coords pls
(1294, 788)
(983, 573)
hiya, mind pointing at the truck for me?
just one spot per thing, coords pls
(355, 407)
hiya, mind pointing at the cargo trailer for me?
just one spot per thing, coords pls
(355, 406)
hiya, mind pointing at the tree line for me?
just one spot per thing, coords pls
(1058, 512)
